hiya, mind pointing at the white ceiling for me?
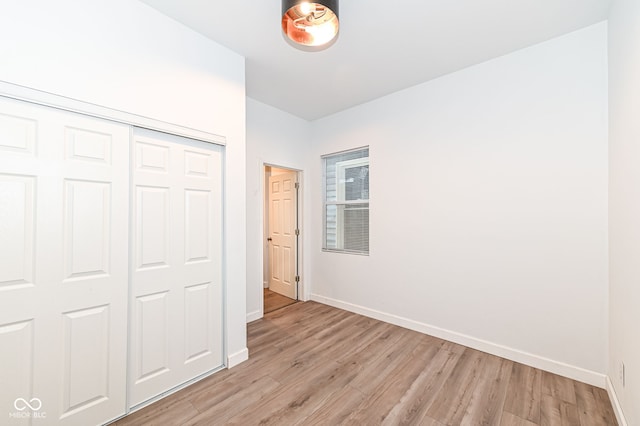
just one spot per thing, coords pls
(384, 45)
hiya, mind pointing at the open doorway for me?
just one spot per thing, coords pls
(281, 228)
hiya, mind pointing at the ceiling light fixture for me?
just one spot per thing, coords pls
(311, 25)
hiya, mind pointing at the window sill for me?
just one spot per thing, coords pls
(357, 253)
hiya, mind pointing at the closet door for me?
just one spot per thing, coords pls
(176, 327)
(63, 266)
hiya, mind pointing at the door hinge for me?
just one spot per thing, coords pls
(297, 185)
(297, 278)
(297, 232)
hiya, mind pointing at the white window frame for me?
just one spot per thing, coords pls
(341, 168)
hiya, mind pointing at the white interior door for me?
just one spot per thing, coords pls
(63, 266)
(176, 326)
(282, 232)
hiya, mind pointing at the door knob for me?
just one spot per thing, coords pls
(269, 239)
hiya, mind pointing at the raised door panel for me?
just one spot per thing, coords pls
(198, 333)
(152, 157)
(152, 227)
(276, 262)
(87, 224)
(152, 336)
(287, 272)
(288, 224)
(203, 322)
(16, 360)
(197, 164)
(18, 134)
(86, 359)
(17, 215)
(88, 146)
(276, 215)
(197, 225)
(152, 370)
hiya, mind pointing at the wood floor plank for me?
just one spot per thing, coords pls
(307, 356)
(382, 365)
(169, 414)
(335, 409)
(310, 387)
(450, 405)
(524, 393)
(558, 387)
(314, 364)
(382, 399)
(289, 326)
(425, 421)
(509, 419)
(556, 412)
(487, 400)
(301, 398)
(364, 361)
(452, 347)
(218, 405)
(412, 407)
(220, 396)
(274, 301)
(594, 406)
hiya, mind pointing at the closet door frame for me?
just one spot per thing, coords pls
(62, 103)
(38, 97)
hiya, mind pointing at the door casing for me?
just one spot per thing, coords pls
(265, 168)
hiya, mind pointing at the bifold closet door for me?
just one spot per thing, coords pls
(176, 323)
(63, 266)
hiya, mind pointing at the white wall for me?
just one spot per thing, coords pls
(275, 138)
(624, 203)
(123, 55)
(488, 207)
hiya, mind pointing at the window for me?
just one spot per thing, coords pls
(346, 201)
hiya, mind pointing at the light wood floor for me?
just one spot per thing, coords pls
(274, 301)
(313, 364)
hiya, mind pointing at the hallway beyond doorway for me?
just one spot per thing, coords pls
(274, 301)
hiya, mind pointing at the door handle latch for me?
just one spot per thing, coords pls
(269, 239)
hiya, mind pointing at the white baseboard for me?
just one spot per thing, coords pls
(615, 402)
(237, 358)
(255, 315)
(535, 361)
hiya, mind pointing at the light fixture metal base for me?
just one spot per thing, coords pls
(310, 25)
